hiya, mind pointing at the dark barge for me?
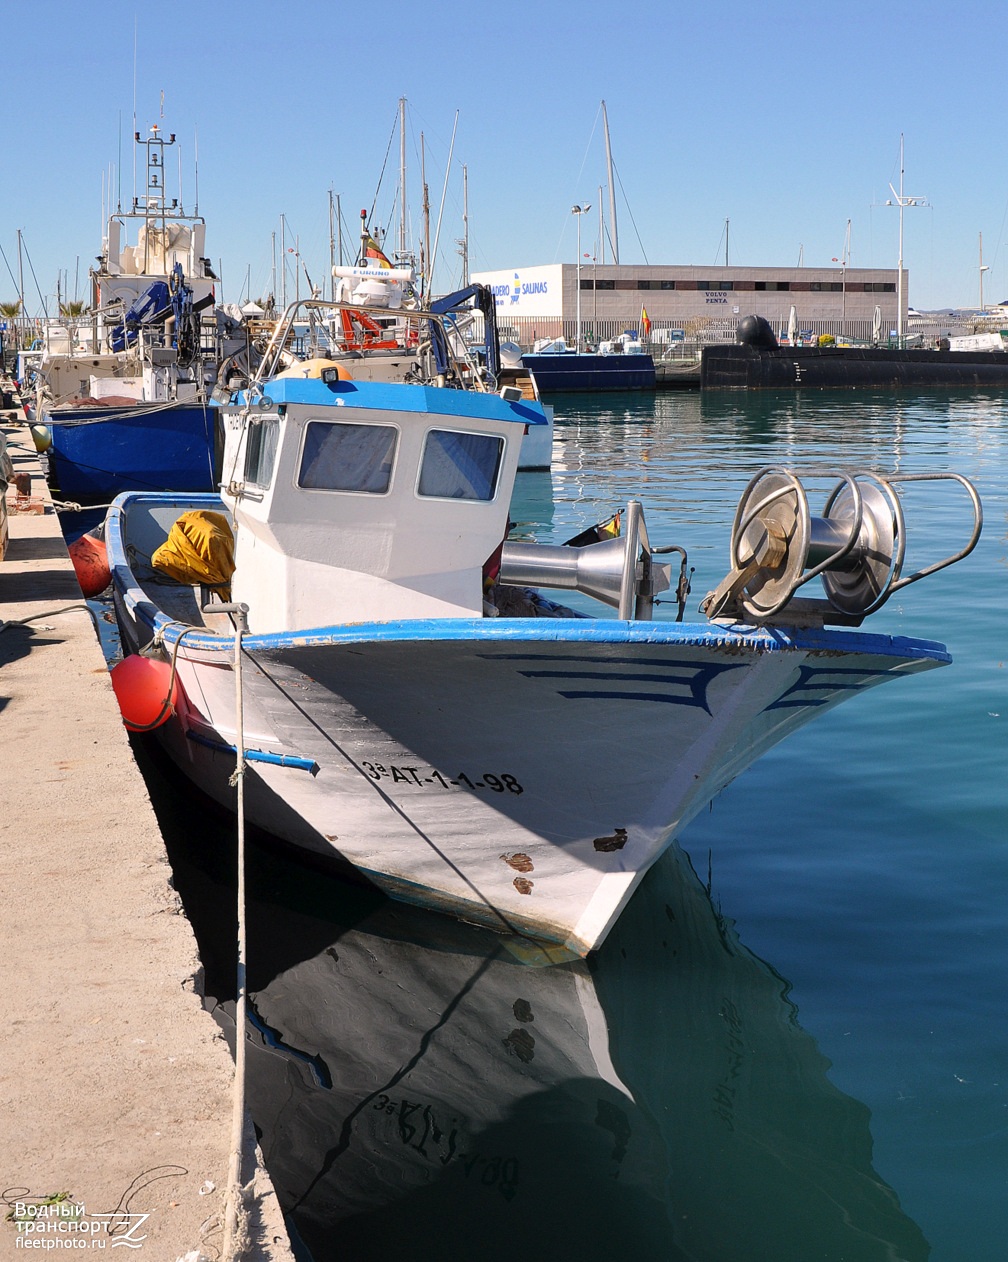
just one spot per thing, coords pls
(756, 361)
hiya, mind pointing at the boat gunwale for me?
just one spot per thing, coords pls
(725, 636)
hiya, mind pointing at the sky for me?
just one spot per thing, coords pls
(773, 129)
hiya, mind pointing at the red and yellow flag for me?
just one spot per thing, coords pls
(373, 252)
(645, 322)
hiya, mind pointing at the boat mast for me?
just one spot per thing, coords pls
(465, 226)
(402, 179)
(425, 259)
(982, 270)
(283, 264)
(332, 249)
(612, 189)
(444, 190)
(21, 310)
(901, 201)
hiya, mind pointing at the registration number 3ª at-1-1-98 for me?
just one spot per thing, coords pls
(430, 777)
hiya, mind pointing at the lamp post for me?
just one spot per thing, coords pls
(579, 211)
(901, 201)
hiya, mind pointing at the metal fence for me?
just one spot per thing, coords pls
(674, 339)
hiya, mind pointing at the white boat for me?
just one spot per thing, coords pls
(415, 709)
(379, 330)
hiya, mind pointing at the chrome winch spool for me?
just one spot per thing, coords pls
(856, 547)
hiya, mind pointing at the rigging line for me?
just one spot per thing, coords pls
(626, 203)
(584, 159)
(334, 1153)
(381, 174)
(580, 173)
(9, 272)
(391, 804)
(31, 268)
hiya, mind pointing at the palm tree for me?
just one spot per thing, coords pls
(10, 311)
(71, 310)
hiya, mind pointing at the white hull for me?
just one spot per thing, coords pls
(523, 774)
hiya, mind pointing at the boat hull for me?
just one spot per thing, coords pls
(732, 366)
(99, 452)
(518, 773)
(557, 374)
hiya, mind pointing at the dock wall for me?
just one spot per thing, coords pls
(115, 1083)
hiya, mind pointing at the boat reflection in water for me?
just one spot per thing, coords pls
(428, 1089)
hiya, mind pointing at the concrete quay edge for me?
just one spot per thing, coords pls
(115, 1082)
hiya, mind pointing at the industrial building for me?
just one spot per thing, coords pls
(698, 303)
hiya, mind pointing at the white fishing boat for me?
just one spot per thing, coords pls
(377, 327)
(415, 709)
(122, 388)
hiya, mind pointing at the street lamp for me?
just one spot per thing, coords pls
(901, 201)
(579, 211)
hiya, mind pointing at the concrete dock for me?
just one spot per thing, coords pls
(115, 1083)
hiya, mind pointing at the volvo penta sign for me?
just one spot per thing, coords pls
(525, 291)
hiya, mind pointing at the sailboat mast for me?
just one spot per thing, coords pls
(332, 248)
(402, 178)
(21, 306)
(465, 226)
(612, 189)
(425, 260)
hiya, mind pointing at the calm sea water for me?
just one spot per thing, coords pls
(793, 1046)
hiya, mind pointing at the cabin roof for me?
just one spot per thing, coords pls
(392, 396)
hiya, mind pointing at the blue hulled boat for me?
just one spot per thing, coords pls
(123, 390)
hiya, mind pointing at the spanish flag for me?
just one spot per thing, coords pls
(373, 252)
(608, 529)
(645, 322)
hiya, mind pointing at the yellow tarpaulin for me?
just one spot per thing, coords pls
(199, 549)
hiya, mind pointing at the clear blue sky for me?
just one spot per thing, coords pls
(782, 119)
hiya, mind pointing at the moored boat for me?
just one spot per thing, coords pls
(123, 389)
(621, 364)
(415, 709)
(757, 362)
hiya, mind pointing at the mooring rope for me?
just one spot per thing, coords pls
(235, 1224)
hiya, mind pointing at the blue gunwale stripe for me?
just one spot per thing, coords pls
(529, 632)
(430, 402)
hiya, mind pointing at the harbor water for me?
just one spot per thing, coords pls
(793, 1045)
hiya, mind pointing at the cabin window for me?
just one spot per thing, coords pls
(261, 439)
(460, 466)
(339, 457)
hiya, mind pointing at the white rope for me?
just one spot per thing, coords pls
(235, 1226)
(49, 613)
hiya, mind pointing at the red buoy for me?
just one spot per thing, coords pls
(90, 562)
(141, 688)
